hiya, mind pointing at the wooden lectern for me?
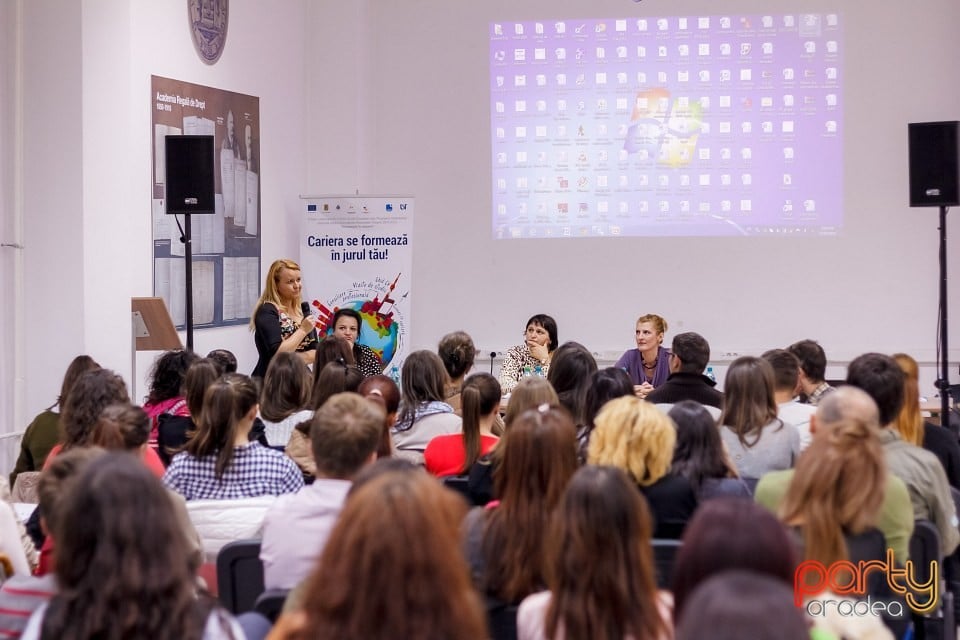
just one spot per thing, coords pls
(153, 330)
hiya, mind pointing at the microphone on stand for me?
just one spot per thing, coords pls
(493, 354)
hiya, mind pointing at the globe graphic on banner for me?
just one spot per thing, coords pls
(376, 331)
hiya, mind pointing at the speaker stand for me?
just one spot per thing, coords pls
(187, 241)
(943, 384)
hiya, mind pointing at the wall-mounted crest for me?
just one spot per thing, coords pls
(208, 25)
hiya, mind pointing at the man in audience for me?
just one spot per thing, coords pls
(896, 513)
(786, 373)
(344, 435)
(689, 355)
(21, 595)
(881, 377)
(813, 370)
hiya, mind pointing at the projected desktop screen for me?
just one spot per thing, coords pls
(699, 125)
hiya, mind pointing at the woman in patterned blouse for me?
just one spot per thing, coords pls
(346, 325)
(540, 340)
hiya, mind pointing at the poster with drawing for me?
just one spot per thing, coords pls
(226, 245)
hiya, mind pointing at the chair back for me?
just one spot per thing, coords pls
(239, 575)
(664, 557)
(503, 621)
(460, 484)
(924, 549)
(270, 603)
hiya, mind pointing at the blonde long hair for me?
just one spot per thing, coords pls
(635, 436)
(838, 487)
(270, 293)
(909, 422)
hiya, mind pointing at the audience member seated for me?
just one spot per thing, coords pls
(756, 439)
(503, 541)
(224, 359)
(530, 393)
(454, 454)
(635, 436)
(385, 392)
(539, 342)
(730, 533)
(92, 393)
(605, 385)
(284, 398)
(345, 433)
(391, 569)
(458, 353)
(332, 349)
(786, 383)
(123, 570)
(689, 355)
(125, 427)
(699, 455)
(647, 365)
(833, 503)
(599, 569)
(43, 432)
(938, 440)
(173, 431)
(347, 324)
(23, 593)
(336, 377)
(733, 605)
(423, 413)
(881, 377)
(813, 370)
(166, 388)
(571, 371)
(219, 462)
(847, 405)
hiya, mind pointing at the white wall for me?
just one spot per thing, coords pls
(426, 132)
(86, 166)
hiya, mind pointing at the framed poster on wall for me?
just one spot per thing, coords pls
(226, 245)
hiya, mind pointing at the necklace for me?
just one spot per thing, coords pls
(650, 367)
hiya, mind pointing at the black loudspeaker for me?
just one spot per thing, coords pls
(934, 166)
(189, 168)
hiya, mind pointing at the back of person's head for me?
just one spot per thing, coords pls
(166, 376)
(335, 377)
(227, 401)
(749, 403)
(56, 479)
(698, 453)
(77, 367)
(882, 378)
(537, 457)
(730, 533)
(693, 350)
(344, 434)
(909, 421)
(123, 567)
(786, 369)
(837, 488)
(742, 604)
(599, 565)
(286, 387)
(121, 426)
(93, 390)
(813, 360)
(224, 359)
(422, 380)
(381, 466)
(458, 353)
(393, 568)
(479, 398)
(529, 393)
(635, 436)
(605, 385)
(200, 376)
(570, 370)
(383, 391)
(549, 325)
(847, 403)
(332, 349)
